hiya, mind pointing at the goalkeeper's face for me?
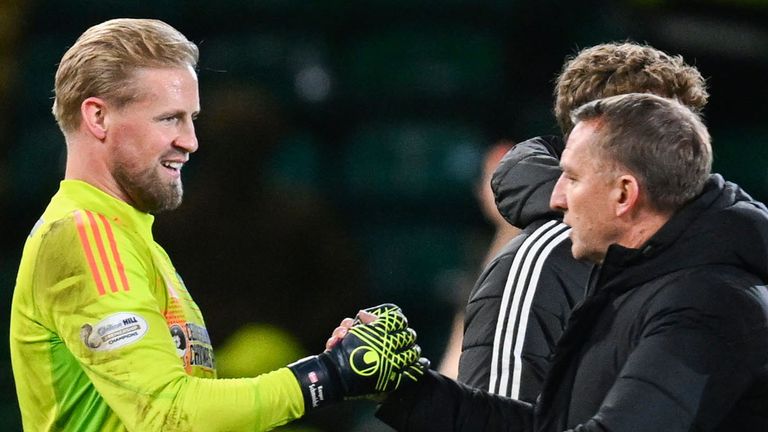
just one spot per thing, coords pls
(152, 138)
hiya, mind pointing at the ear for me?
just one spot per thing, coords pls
(93, 110)
(627, 194)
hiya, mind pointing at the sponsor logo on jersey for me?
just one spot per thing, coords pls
(193, 345)
(180, 339)
(115, 331)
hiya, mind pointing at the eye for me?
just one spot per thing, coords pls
(569, 180)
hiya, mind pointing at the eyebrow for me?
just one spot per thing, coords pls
(566, 169)
(176, 113)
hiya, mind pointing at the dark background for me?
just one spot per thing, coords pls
(340, 142)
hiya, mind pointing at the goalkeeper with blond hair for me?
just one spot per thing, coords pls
(105, 335)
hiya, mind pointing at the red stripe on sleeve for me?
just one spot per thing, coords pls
(115, 253)
(102, 251)
(88, 253)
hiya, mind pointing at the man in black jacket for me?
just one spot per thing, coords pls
(673, 333)
(520, 304)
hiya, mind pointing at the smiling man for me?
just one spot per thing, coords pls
(104, 334)
(144, 143)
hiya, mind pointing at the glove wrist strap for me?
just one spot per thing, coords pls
(319, 381)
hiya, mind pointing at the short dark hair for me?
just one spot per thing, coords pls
(661, 141)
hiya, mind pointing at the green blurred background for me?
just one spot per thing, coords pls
(340, 142)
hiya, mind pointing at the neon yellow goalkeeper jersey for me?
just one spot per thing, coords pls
(104, 335)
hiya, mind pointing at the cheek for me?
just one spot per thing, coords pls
(601, 226)
(136, 134)
(579, 202)
(132, 148)
(585, 212)
(125, 135)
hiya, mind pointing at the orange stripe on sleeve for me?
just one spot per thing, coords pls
(102, 251)
(88, 252)
(115, 253)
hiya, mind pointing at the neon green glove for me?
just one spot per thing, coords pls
(371, 359)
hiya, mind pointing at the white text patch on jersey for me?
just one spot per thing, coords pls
(115, 331)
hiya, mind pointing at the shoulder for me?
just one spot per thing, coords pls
(57, 239)
(541, 254)
(491, 281)
(730, 300)
(84, 228)
(710, 286)
(86, 238)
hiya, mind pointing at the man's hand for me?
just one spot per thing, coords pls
(339, 332)
(363, 316)
(374, 355)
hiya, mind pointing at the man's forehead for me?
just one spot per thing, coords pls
(581, 133)
(581, 145)
(589, 126)
(167, 84)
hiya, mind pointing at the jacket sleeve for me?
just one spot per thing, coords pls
(120, 339)
(436, 403)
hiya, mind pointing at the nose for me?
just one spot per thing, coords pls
(187, 139)
(557, 200)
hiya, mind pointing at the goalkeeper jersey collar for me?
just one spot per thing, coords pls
(77, 194)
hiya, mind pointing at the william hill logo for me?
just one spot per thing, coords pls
(114, 331)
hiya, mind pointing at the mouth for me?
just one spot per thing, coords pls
(174, 167)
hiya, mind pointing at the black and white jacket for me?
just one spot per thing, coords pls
(521, 302)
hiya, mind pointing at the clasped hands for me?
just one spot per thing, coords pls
(367, 356)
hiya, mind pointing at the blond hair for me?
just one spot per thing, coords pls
(104, 58)
(618, 68)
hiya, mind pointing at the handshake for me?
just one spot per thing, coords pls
(372, 359)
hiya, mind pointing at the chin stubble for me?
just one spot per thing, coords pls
(148, 192)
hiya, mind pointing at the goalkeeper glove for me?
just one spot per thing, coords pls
(371, 359)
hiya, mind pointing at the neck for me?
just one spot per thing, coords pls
(643, 228)
(85, 163)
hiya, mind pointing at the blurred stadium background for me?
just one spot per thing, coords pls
(340, 145)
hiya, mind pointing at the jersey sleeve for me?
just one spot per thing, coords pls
(93, 288)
